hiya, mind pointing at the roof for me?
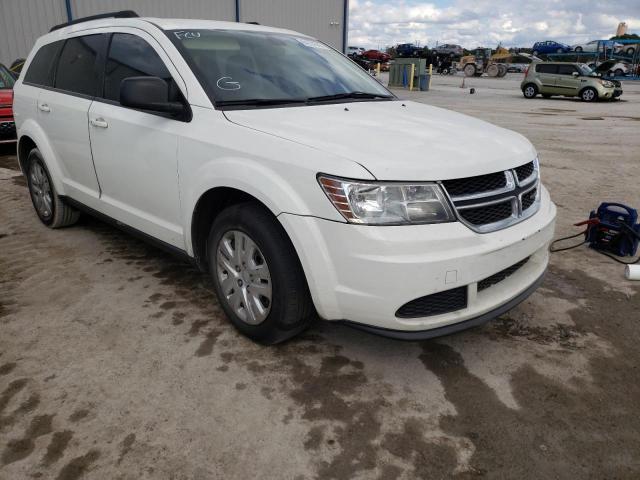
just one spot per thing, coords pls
(170, 24)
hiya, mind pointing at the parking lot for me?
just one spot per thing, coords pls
(116, 361)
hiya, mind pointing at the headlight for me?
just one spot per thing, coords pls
(387, 203)
(607, 84)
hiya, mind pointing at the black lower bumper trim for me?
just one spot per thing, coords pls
(454, 327)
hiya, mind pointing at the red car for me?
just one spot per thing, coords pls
(7, 125)
(376, 55)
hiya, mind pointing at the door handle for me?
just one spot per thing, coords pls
(44, 107)
(99, 122)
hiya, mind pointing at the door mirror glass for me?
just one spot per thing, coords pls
(148, 93)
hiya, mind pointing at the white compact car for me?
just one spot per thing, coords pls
(279, 166)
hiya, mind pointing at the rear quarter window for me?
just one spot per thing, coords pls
(42, 68)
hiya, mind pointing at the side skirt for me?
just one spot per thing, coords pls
(173, 250)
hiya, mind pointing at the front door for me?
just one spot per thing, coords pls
(567, 83)
(135, 152)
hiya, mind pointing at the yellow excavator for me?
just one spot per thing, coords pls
(482, 61)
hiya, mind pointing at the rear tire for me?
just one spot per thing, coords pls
(530, 91)
(589, 95)
(578, 49)
(257, 275)
(630, 51)
(50, 208)
(619, 72)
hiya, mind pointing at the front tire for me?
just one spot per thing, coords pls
(589, 95)
(257, 275)
(530, 91)
(50, 208)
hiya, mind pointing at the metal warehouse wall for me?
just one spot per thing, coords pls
(209, 9)
(323, 19)
(23, 21)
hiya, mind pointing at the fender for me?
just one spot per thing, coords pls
(30, 128)
(256, 179)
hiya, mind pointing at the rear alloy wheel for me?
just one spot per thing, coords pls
(630, 51)
(589, 94)
(51, 209)
(257, 275)
(530, 91)
(619, 72)
(578, 49)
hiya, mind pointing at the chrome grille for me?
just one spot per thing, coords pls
(487, 203)
(479, 184)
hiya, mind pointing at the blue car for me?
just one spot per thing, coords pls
(550, 47)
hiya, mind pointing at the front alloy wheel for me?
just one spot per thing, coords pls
(589, 95)
(244, 277)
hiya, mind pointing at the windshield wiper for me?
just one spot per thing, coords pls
(346, 95)
(259, 102)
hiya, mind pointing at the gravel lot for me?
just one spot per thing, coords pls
(116, 361)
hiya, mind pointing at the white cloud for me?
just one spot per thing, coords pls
(473, 23)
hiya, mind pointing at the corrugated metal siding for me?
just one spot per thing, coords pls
(23, 21)
(322, 19)
(205, 9)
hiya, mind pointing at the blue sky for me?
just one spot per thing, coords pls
(473, 23)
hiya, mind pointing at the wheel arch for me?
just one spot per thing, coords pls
(32, 136)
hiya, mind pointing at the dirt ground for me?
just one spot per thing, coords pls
(116, 361)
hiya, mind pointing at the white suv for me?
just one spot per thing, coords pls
(282, 168)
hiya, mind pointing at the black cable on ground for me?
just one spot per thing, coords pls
(553, 249)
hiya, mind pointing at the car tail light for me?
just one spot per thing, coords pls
(526, 71)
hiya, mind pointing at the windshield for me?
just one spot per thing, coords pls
(244, 67)
(6, 79)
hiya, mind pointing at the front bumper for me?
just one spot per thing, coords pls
(364, 274)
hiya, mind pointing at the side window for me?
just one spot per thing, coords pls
(42, 68)
(566, 69)
(546, 68)
(131, 56)
(76, 70)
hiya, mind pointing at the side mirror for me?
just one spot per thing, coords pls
(148, 93)
(575, 74)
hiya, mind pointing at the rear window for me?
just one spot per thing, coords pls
(42, 68)
(76, 70)
(546, 68)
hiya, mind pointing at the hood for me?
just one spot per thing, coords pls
(396, 140)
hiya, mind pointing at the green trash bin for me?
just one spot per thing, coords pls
(425, 78)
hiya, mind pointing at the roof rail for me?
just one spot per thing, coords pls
(120, 14)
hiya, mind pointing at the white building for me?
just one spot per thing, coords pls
(22, 21)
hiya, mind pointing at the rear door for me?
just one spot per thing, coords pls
(63, 113)
(134, 151)
(547, 74)
(566, 82)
